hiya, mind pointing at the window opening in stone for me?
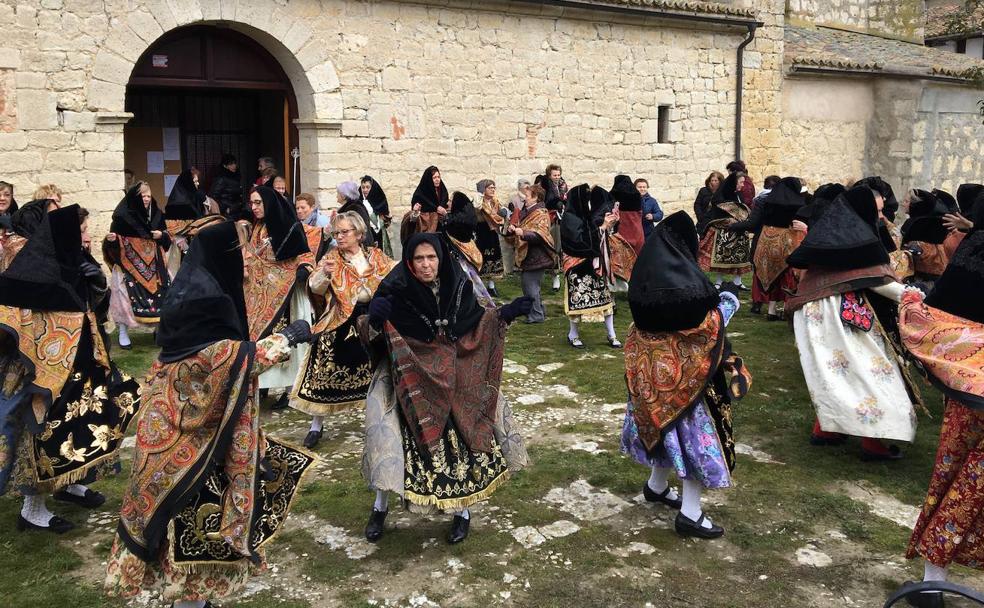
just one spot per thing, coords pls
(663, 124)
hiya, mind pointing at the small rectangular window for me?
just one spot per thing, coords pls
(663, 124)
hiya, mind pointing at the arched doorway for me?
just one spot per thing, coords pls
(202, 91)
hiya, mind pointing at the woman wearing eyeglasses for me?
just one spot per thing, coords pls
(336, 373)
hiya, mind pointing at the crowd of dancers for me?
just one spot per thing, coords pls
(269, 297)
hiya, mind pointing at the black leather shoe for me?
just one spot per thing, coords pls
(757, 308)
(55, 524)
(576, 343)
(281, 404)
(494, 292)
(923, 600)
(459, 530)
(614, 343)
(127, 347)
(688, 527)
(662, 497)
(374, 529)
(91, 500)
(312, 438)
(770, 317)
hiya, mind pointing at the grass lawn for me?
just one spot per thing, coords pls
(806, 526)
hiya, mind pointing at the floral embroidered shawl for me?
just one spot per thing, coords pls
(269, 283)
(346, 283)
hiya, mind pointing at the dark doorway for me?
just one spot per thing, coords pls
(222, 92)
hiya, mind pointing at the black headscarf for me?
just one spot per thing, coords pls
(783, 203)
(891, 204)
(601, 205)
(967, 195)
(727, 192)
(132, 219)
(45, 275)
(667, 290)
(26, 220)
(186, 202)
(626, 194)
(429, 197)
(960, 289)
(579, 236)
(822, 196)
(285, 230)
(946, 199)
(843, 235)
(376, 196)
(461, 220)
(416, 312)
(205, 302)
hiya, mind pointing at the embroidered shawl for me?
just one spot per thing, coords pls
(623, 256)
(470, 251)
(933, 259)
(817, 283)
(269, 283)
(667, 372)
(950, 348)
(139, 260)
(773, 247)
(315, 237)
(346, 283)
(199, 412)
(490, 213)
(539, 222)
(440, 380)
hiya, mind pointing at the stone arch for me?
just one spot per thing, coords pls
(304, 59)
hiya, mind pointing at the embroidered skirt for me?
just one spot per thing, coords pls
(336, 373)
(487, 241)
(586, 293)
(725, 252)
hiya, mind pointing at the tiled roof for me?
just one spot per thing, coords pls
(954, 19)
(694, 7)
(823, 47)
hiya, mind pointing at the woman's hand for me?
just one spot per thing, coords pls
(329, 265)
(442, 211)
(610, 219)
(519, 232)
(956, 221)
(156, 234)
(111, 237)
(798, 225)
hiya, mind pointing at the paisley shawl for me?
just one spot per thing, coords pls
(538, 222)
(315, 236)
(470, 251)
(773, 247)
(268, 283)
(933, 259)
(10, 246)
(667, 372)
(138, 259)
(950, 348)
(623, 256)
(199, 412)
(346, 283)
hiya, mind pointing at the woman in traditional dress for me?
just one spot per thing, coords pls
(529, 233)
(923, 233)
(438, 431)
(278, 261)
(487, 231)
(136, 247)
(428, 205)
(945, 332)
(208, 488)
(777, 233)
(374, 200)
(959, 222)
(64, 407)
(584, 234)
(350, 200)
(187, 211)
(335, 374)
(23, 223)
(721, 251)
(678, 417)
(845, 299)
(702, 204)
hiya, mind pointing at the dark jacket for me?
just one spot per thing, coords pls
(650, 205)
(227, 191)
(702, 204)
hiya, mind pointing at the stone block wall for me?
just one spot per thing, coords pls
(904, 19)
(946, 149)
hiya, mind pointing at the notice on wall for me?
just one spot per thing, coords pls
(155, 162)
(172, 144)
(169, 183)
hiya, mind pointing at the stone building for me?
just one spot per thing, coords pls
(668, 89)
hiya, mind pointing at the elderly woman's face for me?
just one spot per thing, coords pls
(425, 262)
(145, 196)
(346, 235)
(256, 205)
(436, 178)
(280, 185)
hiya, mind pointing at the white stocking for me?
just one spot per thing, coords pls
(659, 481)
(382, 501)
(464, 514)
(691, 502)
(934, 573)
(573, 334)
(124, 335)
(556, 281)
(610, 325)
(737, 279)
(76, 489)
(317, 423)
(717, 281)
(772, 308)
(491, 285)
(35, 511)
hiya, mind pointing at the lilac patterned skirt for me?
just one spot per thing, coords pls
(691, 447)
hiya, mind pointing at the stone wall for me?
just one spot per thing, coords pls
(904, 19)
(947, 143)
(825, 129)
(386, 87)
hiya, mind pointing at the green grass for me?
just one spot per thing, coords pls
(773, 510)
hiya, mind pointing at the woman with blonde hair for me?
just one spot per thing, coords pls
(336, 373)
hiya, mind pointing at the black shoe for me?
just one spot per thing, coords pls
(923, 600)
(894, 453)
(459, 530)
(614, 343)
(281, 404)
(374, 529)
(493, 292)
(772, 317)
(688, 527)
(127, 347)
(312, 438)
(742, 287)
(55, 524)
(757, 308)
(91, 500)
(661, 497)
(576, 343)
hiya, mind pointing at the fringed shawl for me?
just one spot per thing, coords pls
(346, 283)
(539, 222)
(269, 283)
